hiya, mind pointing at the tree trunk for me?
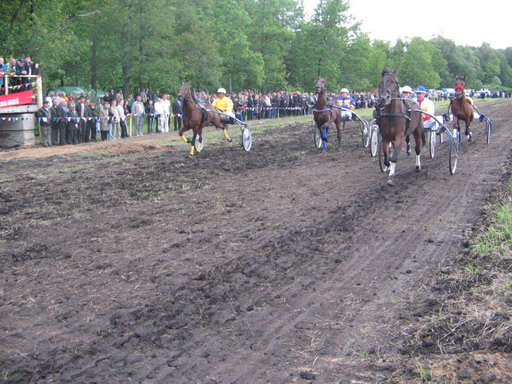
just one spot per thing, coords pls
(94, 63)
(126, 78)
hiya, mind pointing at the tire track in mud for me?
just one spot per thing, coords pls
(304, 293)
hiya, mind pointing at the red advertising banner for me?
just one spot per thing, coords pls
(19, 98)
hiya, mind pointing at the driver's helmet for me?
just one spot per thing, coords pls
(407, 89)
(344, 90)
(221, 90)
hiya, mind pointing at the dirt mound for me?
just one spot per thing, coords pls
(117, 147)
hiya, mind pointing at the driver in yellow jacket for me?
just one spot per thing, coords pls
(223, 103)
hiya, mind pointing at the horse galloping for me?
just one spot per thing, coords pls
(396, 121)
(196, 117)
(461, 107)
(324, 115)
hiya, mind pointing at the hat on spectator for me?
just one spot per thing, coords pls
(421, 89)
(407, 89)
(344, 90)
(46, 101)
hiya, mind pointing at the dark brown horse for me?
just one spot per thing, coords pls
(396, 121)
(196, 116)
(461, 107)
(324, 115)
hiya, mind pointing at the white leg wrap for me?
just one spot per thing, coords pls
(392, 169)
(418, 162)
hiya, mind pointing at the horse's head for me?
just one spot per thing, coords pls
(186, 91)
(460, 83)
(389, 87)
(321, 85)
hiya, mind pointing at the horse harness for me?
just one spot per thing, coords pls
(378, 113)
(203, 109)
(378, 110)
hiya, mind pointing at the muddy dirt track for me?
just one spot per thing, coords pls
(282, 265)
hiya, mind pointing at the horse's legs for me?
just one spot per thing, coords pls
(408, 142)
(385, 150)
(192, 147)
(225, 131)
(219, 125)
(417, 149)
(398, 142)
(455, 125)
(468, 133)
(181, 132)
(323, 134)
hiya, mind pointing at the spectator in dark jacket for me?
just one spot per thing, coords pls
(177, 110)
(44, 120)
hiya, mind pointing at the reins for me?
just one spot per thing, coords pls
(389, 114)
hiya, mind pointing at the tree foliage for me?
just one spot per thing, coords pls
(263, 44)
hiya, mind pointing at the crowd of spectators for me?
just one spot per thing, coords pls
(19, 72)
(253, 105)
(73, 121)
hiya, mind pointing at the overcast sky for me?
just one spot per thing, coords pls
(466, 22)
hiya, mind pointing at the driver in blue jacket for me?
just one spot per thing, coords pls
(347, 104)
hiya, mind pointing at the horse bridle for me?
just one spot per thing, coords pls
(381, 87)
(188, 98)
(320, 90)
(391, 98)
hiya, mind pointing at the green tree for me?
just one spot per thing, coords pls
(271, 34)
(417, 66)
(379, 59)
(490, 63)
(242, 67)
(460, 61)
(355, 68)
(321, 45)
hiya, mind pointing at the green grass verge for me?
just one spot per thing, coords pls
(497, 237)
(94, 153)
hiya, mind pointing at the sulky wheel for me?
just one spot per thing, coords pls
(380, 152)
(488, 130)
(432, 144)
(317, 137)
(374, 139)
(246, 138)
(365, 133)
(453, 152)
